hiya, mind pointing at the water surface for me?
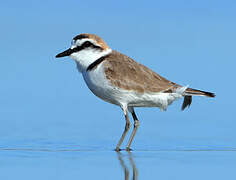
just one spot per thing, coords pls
(88, 163)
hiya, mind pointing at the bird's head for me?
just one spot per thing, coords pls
(85, 49)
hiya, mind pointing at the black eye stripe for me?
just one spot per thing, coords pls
(86, 44)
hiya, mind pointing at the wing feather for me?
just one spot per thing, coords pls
(124, 72)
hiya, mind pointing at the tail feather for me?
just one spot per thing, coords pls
(190, 91)
(187, 102)
(188, 96)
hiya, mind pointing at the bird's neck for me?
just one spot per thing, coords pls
(85, 58)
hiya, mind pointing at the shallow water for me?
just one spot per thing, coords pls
(88, 163)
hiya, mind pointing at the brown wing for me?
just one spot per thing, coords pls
(126, 73)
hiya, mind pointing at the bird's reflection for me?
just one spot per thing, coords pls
(126, 168)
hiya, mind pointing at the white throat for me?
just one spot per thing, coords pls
(86, 57)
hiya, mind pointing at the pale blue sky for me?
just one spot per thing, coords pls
(43, 99)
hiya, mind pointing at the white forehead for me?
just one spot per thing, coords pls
(79, 42)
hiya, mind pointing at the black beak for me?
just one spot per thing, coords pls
(65, 53)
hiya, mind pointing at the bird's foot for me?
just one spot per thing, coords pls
(128, 149)
(117, 149)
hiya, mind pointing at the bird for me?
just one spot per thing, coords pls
(122, 81)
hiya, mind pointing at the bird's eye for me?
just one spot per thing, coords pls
(87, 44)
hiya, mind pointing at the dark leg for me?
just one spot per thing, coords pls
(127, 127)
(136, 125)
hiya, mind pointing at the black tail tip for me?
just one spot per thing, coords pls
(209, 94)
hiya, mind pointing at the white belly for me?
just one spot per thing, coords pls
(101, 87)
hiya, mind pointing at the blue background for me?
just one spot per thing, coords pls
(46, 106)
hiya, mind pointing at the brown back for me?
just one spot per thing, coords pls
(124, 72)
